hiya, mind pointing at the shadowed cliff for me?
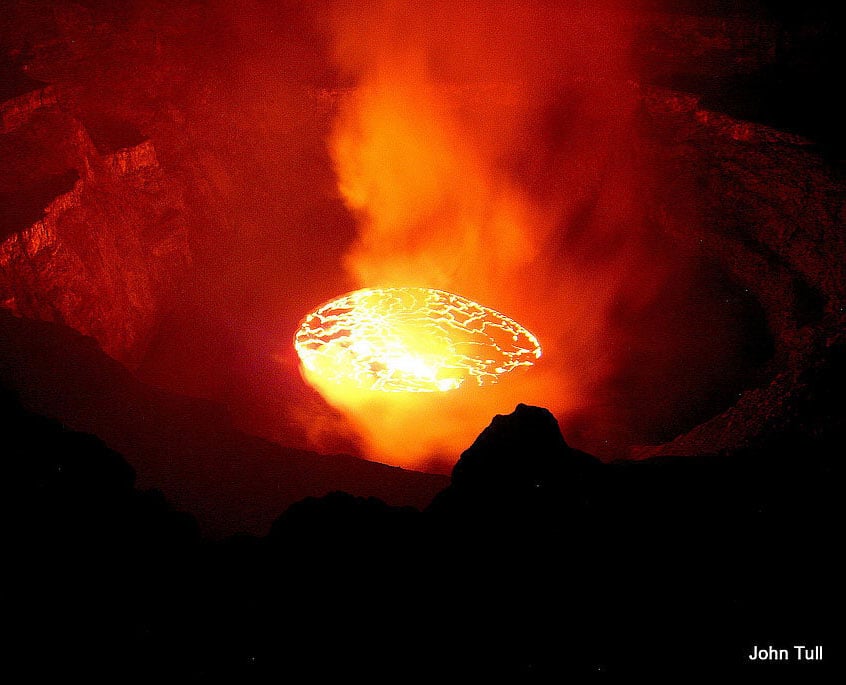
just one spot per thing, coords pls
(232, 482)
(536, 563)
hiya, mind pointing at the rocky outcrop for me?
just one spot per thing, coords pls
(520, 451)
(632, 576)
(771, 213)
(133, 159)
(103, 256)
(16, 111)
(518, 467)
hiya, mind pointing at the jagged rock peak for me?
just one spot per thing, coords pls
(526, 424)
(524, 447)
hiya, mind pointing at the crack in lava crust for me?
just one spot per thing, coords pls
(409, 340)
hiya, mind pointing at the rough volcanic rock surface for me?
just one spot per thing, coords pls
(771, 212)
(92, 237)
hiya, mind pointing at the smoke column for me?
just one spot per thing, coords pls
(492, 150)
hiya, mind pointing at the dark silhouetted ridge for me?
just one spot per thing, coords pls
(518, 463)
(232, 482)
(521, 449)
(537, 563)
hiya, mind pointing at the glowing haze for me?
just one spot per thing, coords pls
(492, 149)
(424, 147)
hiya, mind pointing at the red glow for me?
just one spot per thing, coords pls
(425, 147)
(282, 154)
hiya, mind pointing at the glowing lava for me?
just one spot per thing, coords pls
(409, 340)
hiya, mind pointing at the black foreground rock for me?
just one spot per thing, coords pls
(536, 563)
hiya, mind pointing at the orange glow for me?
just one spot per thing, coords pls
(408, 340)
(492, 150)
(420, 147)
(428, 199)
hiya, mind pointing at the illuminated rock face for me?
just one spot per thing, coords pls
(410, 340)
(93, 233)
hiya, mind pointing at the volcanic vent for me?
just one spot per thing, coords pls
(410, 340)
(675, 248)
